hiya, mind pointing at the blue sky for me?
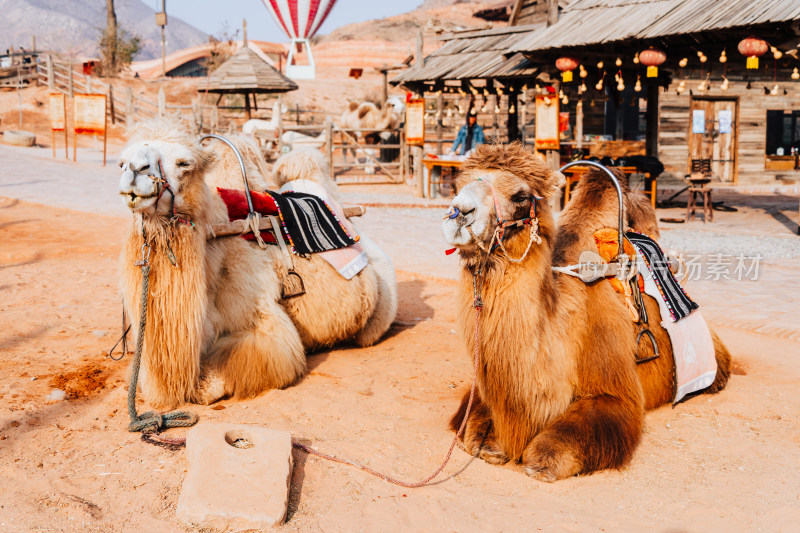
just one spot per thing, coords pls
(209, 15)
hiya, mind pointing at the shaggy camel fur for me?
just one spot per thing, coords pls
(559, 390)
(309, 164)
(216, 323)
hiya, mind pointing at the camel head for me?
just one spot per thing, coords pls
(498, 182)
(160, 149)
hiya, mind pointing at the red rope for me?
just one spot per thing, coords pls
(438, 471)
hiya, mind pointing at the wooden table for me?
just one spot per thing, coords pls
(574, 174)
(431, 165)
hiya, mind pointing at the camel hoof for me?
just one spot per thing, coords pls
(211, 389)
(493, 457)
(540, 473)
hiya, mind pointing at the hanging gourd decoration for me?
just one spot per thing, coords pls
(652, 58)
(752, 48)
(566, 65)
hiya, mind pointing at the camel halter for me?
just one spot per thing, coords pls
(532, 221)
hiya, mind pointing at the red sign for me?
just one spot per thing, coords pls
(90, 113)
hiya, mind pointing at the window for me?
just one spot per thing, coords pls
(783, 132)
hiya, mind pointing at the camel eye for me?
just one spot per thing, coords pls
(182, 163)
(519, 197)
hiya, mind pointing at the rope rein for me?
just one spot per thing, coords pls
(151, 421)
(478, 306)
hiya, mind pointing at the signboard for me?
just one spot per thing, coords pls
(415, 122)
(58, 112)
(547, 122)
(698, 121)
(89, 118)
(90, 114)
(58, 120)
(725, 120)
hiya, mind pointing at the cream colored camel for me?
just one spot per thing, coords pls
(216, 323)
(559, 389)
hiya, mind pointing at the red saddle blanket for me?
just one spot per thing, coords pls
(236, 202)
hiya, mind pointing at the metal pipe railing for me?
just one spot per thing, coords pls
(241, 164)
(614, 179)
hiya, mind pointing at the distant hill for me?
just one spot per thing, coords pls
(74, 26)
(433, 16)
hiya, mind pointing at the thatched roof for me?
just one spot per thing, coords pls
(594, 22)
(470, 55)
(247, 72)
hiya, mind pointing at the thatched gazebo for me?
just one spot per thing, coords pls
(249, 73)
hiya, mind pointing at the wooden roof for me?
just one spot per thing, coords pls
(593, 22)
(468, 55)
(247, 72)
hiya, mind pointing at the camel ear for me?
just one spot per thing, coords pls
(558, 180)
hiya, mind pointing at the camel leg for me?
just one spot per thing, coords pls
(246, 363)
(478, 438)
(723, 365)
(593, 434)
(386, 304)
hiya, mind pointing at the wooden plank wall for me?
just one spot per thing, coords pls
(531, 12)
(674, 123)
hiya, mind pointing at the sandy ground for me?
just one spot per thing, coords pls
(715, 463)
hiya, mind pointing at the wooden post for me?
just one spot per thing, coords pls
(51, 82)
(579, 124)
(111, 104)
(419, 61)
(439, 124)
(280, 126)
(162, 102)
(71, 85)
(403, 156)
(329, 144)
(552, 12)
(129, 120)
(385, 85)
(66, 141)
(105, 137)
(651, 121)
(495, 124)
(247, 105)
(419, 180)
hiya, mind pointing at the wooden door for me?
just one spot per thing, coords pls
(713, 129)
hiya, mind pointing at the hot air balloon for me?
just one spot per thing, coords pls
(300, 19)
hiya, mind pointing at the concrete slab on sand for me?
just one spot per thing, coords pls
(238, 477)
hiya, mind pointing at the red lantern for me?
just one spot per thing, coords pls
(752, 48)
(652, 58)
(566, 65)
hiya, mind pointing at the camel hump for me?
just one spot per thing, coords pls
(365, 109)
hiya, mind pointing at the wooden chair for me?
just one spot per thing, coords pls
(699, 190)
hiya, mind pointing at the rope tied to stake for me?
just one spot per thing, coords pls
(150, 421)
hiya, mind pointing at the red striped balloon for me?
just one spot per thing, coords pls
(300, 19)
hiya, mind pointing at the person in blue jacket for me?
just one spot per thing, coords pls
(469, 137)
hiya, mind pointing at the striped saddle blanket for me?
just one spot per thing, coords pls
(311, 223)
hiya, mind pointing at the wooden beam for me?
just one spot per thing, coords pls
(651, 121)
(235, 228)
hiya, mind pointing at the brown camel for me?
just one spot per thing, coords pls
(559, 389)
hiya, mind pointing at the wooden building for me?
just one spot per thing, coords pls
(248, 73)
(703, 103)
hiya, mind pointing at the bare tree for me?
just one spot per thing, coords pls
(109, 46)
